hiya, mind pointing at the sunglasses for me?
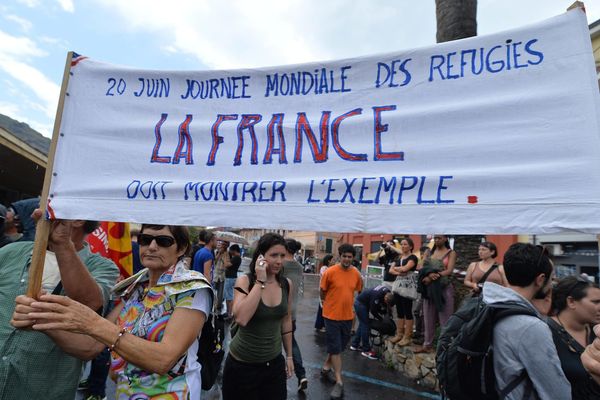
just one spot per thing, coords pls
(578, 281)
(544, 252)
(161, 240)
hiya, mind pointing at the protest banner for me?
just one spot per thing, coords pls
(492, 134)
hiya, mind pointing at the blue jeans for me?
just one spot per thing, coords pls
(362, 334)
(296, 355)
(99, 373)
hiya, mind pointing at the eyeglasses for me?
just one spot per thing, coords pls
(161, 240)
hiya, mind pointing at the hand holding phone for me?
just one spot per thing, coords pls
(261, 268)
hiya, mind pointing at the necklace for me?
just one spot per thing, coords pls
(572, 339)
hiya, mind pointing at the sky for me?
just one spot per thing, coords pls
(35, 36)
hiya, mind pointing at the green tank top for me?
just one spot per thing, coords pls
(260, 340)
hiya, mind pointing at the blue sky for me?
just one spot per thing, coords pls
(35, 36)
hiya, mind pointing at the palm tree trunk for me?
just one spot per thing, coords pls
(457, 19)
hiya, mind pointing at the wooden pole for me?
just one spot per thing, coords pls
(42, 230)
(577, 4)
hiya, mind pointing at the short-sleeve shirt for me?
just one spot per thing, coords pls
(340, 284)
(146, 313)
(293, 271)
(403, 261)
(202, 256)
(32, 365)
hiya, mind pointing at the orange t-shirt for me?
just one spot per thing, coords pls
(340, 285)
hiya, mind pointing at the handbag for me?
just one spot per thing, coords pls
(406, 286)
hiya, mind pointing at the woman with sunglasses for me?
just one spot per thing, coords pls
(255, 367)
(153, 332)
(576, 308)
(485, 270)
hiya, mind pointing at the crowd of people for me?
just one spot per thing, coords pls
(150, 322)
(545, 353)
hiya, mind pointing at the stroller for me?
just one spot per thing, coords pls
(380, 328)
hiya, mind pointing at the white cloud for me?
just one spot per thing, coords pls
(18, 47)
(67, 5)
(15, 57)
(237, 34)
(24, 24)
(14, 111)
(63, 44)
(10, 109)
(30, 3)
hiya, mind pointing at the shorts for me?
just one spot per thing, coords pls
(337, 335)
(229, 284)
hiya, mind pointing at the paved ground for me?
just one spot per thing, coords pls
(363, 378)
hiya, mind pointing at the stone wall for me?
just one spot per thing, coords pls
(418, 367)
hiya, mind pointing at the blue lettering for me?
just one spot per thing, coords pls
(310, 193)
(330, 190)
(442, 187)
(438, 67)
(538, 54)
(363, 188)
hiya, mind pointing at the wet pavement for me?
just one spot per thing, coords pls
(363, 378)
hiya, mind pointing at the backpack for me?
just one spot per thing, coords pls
(210, 350)
(465, 358)
(384, 326)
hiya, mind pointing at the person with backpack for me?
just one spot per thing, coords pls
(575, 305)
(485, 270)
(525, 359)
(377, 301)
(262, 308)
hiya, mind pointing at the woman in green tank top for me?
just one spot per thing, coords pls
(255, 367)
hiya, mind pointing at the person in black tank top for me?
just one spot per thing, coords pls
(575, 302)
(255, 367)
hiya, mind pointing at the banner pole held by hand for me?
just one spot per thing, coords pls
(42, 230)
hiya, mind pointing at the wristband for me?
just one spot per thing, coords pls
(114, 345)
(262, 283)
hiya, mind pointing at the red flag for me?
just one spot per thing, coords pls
(113, 240)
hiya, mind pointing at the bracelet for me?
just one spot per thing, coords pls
(121, 333)
(289, 357)
(285, 333)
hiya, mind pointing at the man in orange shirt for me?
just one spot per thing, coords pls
(338, 285)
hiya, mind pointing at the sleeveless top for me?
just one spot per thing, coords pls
(493, 277)
(569, 350)
(444, 260)
(260, 340)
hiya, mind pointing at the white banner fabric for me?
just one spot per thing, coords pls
(492, 134)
